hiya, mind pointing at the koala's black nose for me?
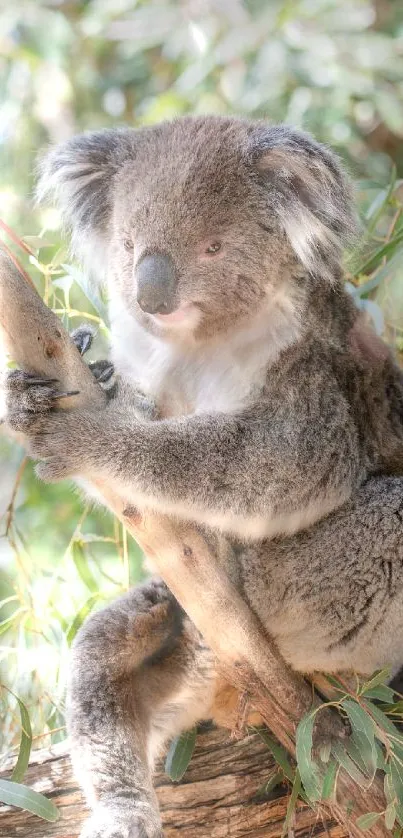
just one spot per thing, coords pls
(156, 284)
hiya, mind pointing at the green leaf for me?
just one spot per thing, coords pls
(25, 744)
(382, 693)
(368, 821)
(308, 769)
(347, 763)
(292, 803)
(381, 719)
(396, 776)
(82, 566)
(399, 811)
(380, 203)
(388, 786)
(279, 753)
(180, 754)
(88, 288)
(36, 242)
(81, 615)
(397, 748)
(379, 253)
(363, 733)
(59, 257)
(329, 781)
(353, 751)
(390, 816)
(14, 794)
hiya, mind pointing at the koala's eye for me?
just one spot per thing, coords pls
(213, 248)
(128, 244)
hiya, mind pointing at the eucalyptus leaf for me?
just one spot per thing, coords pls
(25, 744)
(390, 816)
(80, 560)
(329, 781)
(380, 718)
(382, 693)
(296, 789)
(347, 763)
(88, 288)
(279, 753)
(378, 677)
(15, 794)
(307, 767)
(179, 754)
(81, 615)
(396, 775)
(36, 242)
(363, 733)
(368, 821)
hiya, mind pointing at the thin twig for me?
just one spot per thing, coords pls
(11, 505)
(16, 239)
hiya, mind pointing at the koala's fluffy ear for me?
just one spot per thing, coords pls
(311, 196)
(78, 177)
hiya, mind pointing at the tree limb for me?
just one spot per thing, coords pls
(221, 795)
(36, 340)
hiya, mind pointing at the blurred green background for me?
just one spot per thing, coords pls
(329, 66)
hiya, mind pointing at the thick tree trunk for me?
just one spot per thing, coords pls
(218, 796)
(248, 657)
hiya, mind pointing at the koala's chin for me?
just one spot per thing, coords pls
(186, 317)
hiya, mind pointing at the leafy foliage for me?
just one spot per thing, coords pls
(374, 744)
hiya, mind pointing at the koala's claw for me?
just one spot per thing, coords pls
(65, 395)
(31, 380)
(83, 337)
(102, 371)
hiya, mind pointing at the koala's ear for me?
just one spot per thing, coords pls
(311, 196)
(78, 176)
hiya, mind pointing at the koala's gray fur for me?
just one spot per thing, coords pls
(251, 398)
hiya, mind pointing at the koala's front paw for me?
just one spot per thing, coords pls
(115, 824)
(28, 398)
(59, 437)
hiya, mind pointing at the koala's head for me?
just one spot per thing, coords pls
(202, 222)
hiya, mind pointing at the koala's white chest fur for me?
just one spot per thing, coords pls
(222, 378)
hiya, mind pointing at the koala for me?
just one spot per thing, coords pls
(251, 399)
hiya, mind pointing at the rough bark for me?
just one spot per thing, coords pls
(218, 796)
(249, 659)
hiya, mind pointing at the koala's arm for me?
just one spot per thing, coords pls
(298, 456)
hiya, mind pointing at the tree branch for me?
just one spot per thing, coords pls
(220, 795)
(36, 340)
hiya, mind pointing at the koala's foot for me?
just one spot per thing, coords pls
(112, 823)
(143, 622)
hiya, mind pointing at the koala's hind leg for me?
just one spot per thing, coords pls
(140, 675)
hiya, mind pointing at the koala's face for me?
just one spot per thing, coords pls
(193, 246)
(203, 222)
